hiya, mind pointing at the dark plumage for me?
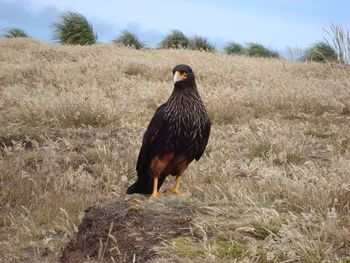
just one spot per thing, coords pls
(177, 134)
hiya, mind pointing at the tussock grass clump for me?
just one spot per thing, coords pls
(74, 29)
(176, 39)
(14, 32)
(202, 44)
(259, 151)
(273, 184)
(321, 52)
(129, 39)
(258, 50)
(339, 39)
(234, 48)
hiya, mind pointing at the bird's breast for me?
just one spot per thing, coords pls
(186, 116)
(185, 124)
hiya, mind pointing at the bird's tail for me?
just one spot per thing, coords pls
(144, 185)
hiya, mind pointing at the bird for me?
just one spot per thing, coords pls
(177, 134)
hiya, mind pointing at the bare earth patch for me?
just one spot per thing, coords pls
(125, 230)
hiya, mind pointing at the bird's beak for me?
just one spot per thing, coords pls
(179, 76)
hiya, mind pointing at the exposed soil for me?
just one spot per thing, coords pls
(126, 230)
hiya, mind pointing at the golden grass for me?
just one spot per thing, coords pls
(273, 185)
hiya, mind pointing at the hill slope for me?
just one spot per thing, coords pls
(273, 185)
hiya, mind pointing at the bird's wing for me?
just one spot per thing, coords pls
(156, 124)
(203, 141)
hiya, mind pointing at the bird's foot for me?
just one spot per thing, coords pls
(174, 191)
(154, 196)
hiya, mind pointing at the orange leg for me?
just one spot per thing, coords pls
(176, 188)
(155, 194)
(158, 166)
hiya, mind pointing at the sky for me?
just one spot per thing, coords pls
(273, 23)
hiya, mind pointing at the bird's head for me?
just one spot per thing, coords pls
(183, 73)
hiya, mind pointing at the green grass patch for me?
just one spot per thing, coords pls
(38, 234)
(229, 249)
(30, 132)
(343, 146)
(188, 248)
(136, 69)
(295, 158)
(263, 229)
(134, 208)
(259, 151)
(222, 119)
(317, 134)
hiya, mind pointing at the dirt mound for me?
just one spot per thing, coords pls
(126, 230)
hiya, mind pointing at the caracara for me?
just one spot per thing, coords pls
(177, 134)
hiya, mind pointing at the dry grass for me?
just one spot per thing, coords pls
(273, 186)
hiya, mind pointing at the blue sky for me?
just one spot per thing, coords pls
(273, 23)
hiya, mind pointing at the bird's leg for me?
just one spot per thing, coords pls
(176, 188)
(155, 194)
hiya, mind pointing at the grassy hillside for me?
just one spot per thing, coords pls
(273, 185)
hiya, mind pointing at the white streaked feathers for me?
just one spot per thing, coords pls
(186, 114)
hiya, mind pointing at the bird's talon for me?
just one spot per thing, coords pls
(174, 191)
(154, 196)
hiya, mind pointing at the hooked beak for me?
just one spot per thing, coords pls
(178, 76)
